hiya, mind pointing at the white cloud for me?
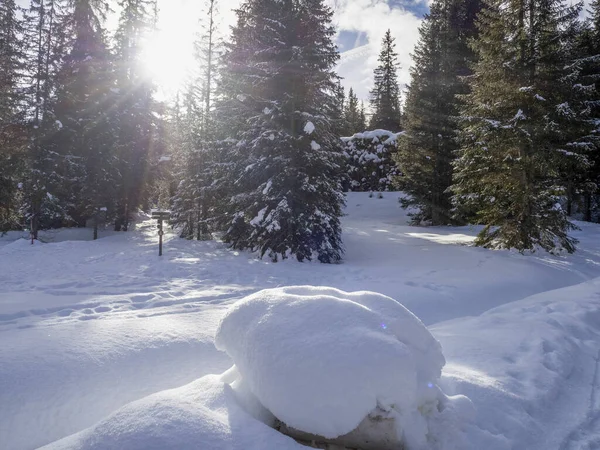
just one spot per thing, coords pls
(374, 18)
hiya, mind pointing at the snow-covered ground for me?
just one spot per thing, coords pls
(89, 327)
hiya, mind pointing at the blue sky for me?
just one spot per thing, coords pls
(347, 40)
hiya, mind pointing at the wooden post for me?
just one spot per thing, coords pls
(160, 216)
(160, 236)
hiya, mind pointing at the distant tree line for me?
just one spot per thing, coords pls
(500, 124)
(80, 130)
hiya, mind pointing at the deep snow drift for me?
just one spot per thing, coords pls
(204, 414)
(88, 327)
(322, 360)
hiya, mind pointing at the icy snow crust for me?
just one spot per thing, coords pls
(321, 359)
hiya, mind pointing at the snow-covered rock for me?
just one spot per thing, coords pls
(323, 361)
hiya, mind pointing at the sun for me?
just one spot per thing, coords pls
(168, 60)
(168, 56)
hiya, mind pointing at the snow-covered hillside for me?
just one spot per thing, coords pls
(88, 327)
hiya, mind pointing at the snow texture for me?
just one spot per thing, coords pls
(204, 414)
(309, 128)
(321, 359)
(94, 333)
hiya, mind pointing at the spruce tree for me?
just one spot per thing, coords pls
(362, 117)
(583, 186)
(284, 195)
(191, 167)
(441, 58)
(341, 126)
(385, 95)
(194, 197)
(207, 49)
(354, 115)
(136, 109)
(582, 117)
(45, 49)
(84, 136)
(12, 119)
(513, 144)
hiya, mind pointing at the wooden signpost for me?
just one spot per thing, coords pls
(160, 216)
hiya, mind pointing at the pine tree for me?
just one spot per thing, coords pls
(12, 120)
(84, 137)
(513, 140)
(339, 118)
(45, 50)
(583, 186)
(581, 127)
(188, 200)
(136, 109)
(207, 49)
(195, 194)
(362, 117)
(428, 148)
(278, 98)
(354, 115)
(385, 95)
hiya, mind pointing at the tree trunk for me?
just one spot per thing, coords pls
(588, 207)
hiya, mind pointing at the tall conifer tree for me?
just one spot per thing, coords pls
(426, 151)
(84, 134)
(12, 119)
(135, 108)
(385, 95)
(195, 194)
(516, 127)
(284, 159)
(45, 49)
(354, 115)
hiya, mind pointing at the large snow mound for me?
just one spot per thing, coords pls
(321, 359)
(204, 414)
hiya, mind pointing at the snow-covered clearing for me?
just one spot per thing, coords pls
(88, 327)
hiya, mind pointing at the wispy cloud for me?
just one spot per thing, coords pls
(373, 18)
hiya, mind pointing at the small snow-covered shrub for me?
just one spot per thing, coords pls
(369, 158)
(331, 366)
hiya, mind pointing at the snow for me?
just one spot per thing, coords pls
(362, 343)
(204, 414)
(519, 116)
(259, 218)
(386, 136)
(98, 333)
(539, 369)
(309, 128)
(315, 146)
(267, 188)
